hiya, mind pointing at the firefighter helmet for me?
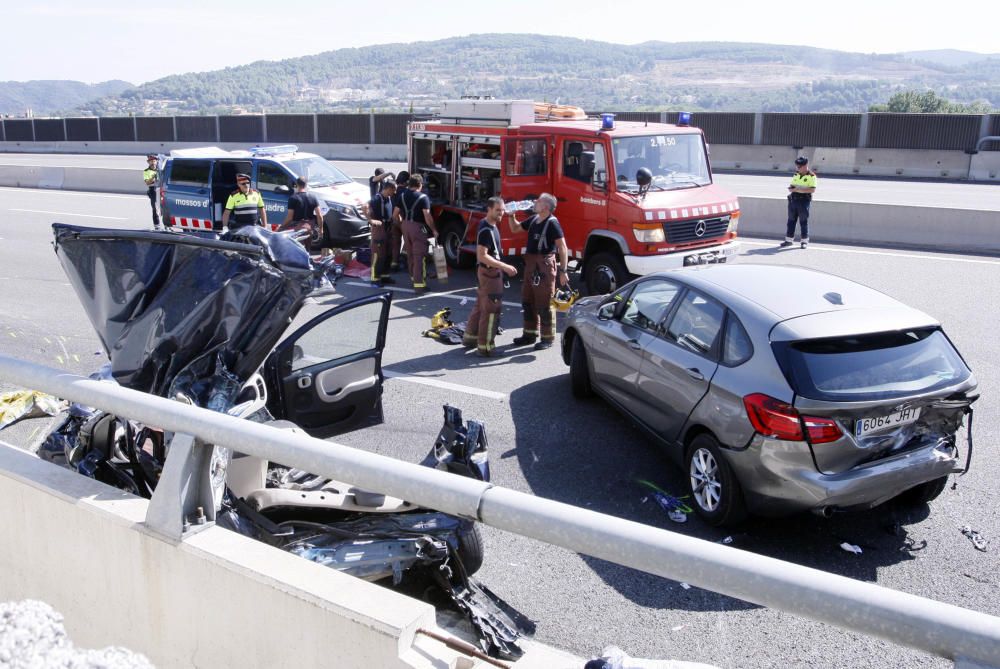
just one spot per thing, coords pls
(564, 299)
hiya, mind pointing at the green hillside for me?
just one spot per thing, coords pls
(595, 75)
(50, 96)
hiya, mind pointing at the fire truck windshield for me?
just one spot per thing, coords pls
(676, 161)
(317, 172)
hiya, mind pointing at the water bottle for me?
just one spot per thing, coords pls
(518, 205)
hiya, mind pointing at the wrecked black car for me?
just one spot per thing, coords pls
(203, 320)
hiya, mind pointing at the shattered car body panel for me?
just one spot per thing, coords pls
(173, 311)
(196, 319)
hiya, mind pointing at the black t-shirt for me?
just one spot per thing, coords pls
(303, 206)
(411, 205)
(489, 237)
(535, 226)
(397, 199)
(380, 208)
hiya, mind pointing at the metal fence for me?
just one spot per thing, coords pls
(941, 629)
(884, 130)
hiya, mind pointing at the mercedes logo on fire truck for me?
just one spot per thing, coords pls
(700, 228)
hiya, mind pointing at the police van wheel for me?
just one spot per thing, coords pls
(604, 273)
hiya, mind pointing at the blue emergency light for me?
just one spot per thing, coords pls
(607, 121)
(684, 118)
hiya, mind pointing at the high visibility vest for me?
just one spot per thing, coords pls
(807, 180)
(147, 175)
(246, 208)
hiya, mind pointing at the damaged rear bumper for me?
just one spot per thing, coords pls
(786, 480)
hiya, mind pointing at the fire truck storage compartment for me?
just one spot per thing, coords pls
(477, 170)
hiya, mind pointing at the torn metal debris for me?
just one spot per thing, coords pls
(199, 320)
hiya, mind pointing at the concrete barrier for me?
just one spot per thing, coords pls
(939, 228)
(217, 599)
(935, 228)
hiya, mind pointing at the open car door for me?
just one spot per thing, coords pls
(327, 376)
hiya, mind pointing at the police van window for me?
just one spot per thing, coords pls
(526, 157)
(270, 176)
(189, 172)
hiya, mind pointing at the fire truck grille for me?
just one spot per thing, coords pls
(682, 232)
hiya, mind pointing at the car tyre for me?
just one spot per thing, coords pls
(716, 494)
(925, 492)
(579, 370)
(604, 273)
(470, 549)
(451, 238)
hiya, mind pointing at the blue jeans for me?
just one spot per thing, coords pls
(798, 210)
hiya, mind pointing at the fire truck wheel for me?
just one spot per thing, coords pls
(451, 239)
(604, 273)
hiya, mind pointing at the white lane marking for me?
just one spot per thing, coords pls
(65, 213)
(52, 191)
(443, 385)
(451, 294)
(813, 247)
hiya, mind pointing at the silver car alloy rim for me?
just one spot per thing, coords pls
(705, 479)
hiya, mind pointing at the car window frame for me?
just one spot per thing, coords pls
(725, 339)
(656, 329)
(714, 354)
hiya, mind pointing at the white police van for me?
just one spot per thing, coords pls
(197, 182)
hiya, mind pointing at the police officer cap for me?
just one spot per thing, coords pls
(242, 177)
(151, 156)
(801, 160)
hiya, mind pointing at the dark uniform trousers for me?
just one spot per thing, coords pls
(485, 318)
(798, 209)
(151, 192)
(395, 240)
(417, 248)
(380, 250)
(537, 288)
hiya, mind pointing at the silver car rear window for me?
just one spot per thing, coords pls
(873, 366)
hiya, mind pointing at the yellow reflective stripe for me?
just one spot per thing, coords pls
(374, 265)
(489, 333)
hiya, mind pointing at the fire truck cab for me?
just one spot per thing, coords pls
(619, 219)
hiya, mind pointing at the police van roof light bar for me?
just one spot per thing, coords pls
(273, 150)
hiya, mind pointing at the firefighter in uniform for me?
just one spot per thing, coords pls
(380, 219)
(418, 224)
(485, 318)
(150, 177)
(541, 272)
(245, 205)
(799, 198)
(396, 231)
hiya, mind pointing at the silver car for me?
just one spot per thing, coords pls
(778, 389)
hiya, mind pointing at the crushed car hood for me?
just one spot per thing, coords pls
(171, 307)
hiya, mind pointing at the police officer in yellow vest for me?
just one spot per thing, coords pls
(150, 177)
(245, 205)
(799, 198)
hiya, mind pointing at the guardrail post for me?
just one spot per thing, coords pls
(183, 498)
(371, 126)
(263, 128)
(315, 128)
(758, 127)
(863, 132)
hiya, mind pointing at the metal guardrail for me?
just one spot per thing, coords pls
(969, 638)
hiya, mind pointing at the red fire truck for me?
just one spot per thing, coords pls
(633, 198)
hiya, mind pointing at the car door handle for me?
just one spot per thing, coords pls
(695, 374)
(634, 344)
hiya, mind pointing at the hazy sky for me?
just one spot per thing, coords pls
(97, 40)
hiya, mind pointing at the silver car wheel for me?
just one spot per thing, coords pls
(705, 481)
